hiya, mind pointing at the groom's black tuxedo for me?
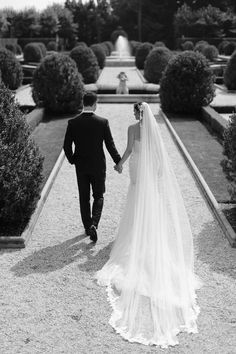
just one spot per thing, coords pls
(88, 132)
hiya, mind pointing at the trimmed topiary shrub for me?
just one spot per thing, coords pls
(12, 74)
(82, 44)
(229, 48)
(230, 73)
(11, 47)
(221, 46)
(134, 46)
(156, 63)
(18, 49)
(142, 53)
(33, 53)
(100, 54)
(210, 52)
(187, 45)
(187, 83)
(105, 48)
(42, 47)
(109, 46)
(159, 44)
(52, 46)
(57, 84)
(86, 62)
(200, 45)
(20, 165)
(229, 150)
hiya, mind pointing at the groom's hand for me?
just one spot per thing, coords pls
(118, 168)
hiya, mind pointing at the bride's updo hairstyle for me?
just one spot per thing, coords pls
(138, 108)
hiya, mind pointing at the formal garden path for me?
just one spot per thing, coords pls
(49, 300)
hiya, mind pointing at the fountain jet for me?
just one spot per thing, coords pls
(122, 47)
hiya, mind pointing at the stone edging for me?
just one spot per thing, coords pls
(213, 204)
(130, 98)
(214, 119)
(20, 241)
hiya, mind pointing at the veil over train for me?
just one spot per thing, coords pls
(149, 276)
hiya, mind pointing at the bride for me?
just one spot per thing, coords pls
(149, 276)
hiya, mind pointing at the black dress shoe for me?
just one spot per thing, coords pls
(93, 233)
(87, 232)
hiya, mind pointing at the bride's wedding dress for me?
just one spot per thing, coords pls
(149, 276)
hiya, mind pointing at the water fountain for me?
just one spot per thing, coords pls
(122, 47)
(121, 81)
(121, 56)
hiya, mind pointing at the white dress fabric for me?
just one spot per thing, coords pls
(149, 276)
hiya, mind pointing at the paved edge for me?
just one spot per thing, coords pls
(21, 241)
(214, 206)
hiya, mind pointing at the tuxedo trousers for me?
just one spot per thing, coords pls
(86, 183)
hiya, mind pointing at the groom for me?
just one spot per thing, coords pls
(88, 132)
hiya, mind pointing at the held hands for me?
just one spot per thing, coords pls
(118, 168)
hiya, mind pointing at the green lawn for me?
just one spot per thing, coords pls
(49, 136)
(206, 150)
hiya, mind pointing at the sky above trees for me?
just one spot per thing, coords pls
(21, 4)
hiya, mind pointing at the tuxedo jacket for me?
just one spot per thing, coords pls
(88, 132)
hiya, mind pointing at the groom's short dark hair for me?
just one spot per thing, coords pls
(89, 98)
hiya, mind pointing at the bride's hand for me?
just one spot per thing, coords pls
(118, 167)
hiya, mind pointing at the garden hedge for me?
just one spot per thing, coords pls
(187, 83)
(12, 73)
(155, 63)
(86, 62)
(100, 54)
(210, 52)
(21, 166)
(230, 73)
(33, 53)
(57, 84)
(229, 150)
(142, 53)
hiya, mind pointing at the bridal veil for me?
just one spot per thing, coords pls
(150, 276)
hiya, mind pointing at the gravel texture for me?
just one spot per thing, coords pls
(49, 300)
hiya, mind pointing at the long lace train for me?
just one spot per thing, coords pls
(149, 275)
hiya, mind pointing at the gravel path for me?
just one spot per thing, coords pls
(49, 300)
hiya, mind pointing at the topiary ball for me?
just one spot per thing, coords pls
(187, 83)
(200, 45)
(100, 54)
(187, 45)
(210, 52)
(42, 47)
(221, 46)
(11, 47)
(141, 54)
(86, 62)
(20, 166)
(230, 73)
(134, 46)
(229, 48)
(109, 46)
(57, 84)
(156, 63)
(159, 44)
(33, 53)
(12, 73)
(105, 48)
(52, 46)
